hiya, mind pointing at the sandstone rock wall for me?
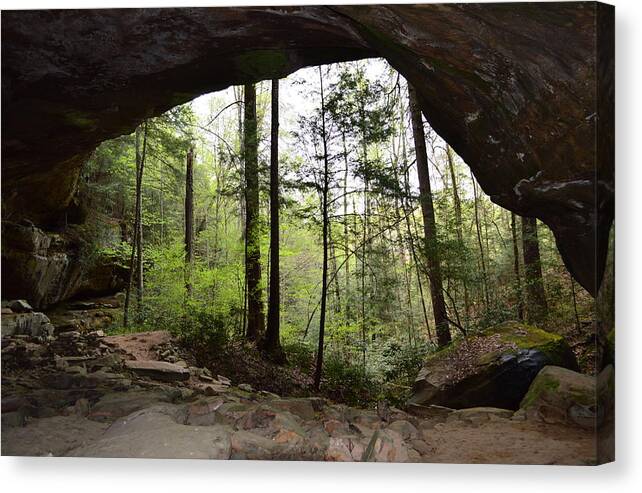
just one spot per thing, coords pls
(45, 268)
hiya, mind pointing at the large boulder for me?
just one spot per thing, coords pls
(562, 396)
(493, 368)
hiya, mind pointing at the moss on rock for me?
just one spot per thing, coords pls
(492, 368)
(559, 395)
(528, 337)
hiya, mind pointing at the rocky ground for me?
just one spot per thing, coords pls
(139, 395)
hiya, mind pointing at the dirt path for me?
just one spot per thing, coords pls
(512, 442)
(140, 345)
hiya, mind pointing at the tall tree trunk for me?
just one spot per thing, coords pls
(578, 324)
(481, 245)
(535, 293)
(161, 199)
(255, 317)
(324, 275)
(333, 259)
(518, 280)
(458, 224)
(346, 237)
(366, 218)
(363, 275)
(136, 261)
(413, 234)
(406, 211)
(398, 203)
(272, 333)
(239, 96)
(139, 237)
(430, 226)
(189, 221)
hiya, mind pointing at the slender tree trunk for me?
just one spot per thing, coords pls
(518, 280)
(412, 233)
(346, 237)
(255, 317)
(324, 279)
(430, 226)
(397, 205)
(481, 245)
(189, 221)
(242, 216)
(132, 258)
(363, 275)
(272, 333)
(578, 324)
(366, 214)
(458, 224)
(139, 236)
(333, 259)
(137, 230)
(161, 203)
(535, 293)
(406, 210)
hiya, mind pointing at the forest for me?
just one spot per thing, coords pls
(318, 224)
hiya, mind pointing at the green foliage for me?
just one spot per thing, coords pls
(299, 354)
(379, 302)
(346, 381)
(205, 329)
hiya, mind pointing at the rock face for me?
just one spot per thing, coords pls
(492, 369)
(561, 396)
(45, 267)
(511, 87)
(36, 265)
(25, 322)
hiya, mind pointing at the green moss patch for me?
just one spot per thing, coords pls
(465, 356)
(541, 384)
(561, 388)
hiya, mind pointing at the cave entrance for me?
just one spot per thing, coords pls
(476, 246)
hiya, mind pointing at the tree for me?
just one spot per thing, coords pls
(535, 293)
(404, 199)
(458, 221)
(518, 281)
(189, 220)
(272, 342)
(430, 226)
(346, 232)
(255, 317)
(324, 273)
(136, 259)
(480, 243)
